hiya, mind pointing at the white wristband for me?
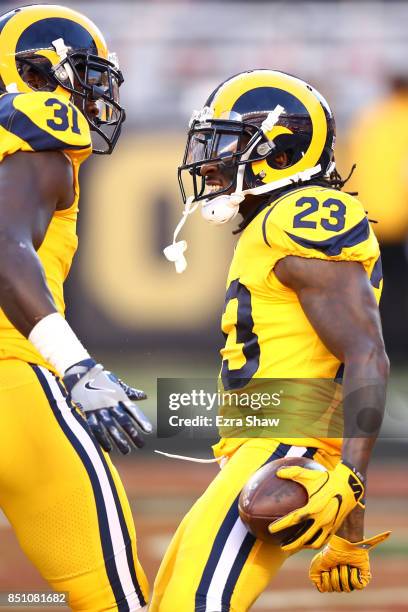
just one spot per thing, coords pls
(57, 343)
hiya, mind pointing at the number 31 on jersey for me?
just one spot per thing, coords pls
(65, 116)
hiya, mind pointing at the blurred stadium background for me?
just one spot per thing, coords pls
(144, 321)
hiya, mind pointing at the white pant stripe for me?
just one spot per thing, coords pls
(230, 552)
(115, 530)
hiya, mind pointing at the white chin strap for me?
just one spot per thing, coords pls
(224, 208)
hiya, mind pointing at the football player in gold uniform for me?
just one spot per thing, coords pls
(58, 487)
(301, 303)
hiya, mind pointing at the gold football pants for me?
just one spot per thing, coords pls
(63, 497)
(213, 563)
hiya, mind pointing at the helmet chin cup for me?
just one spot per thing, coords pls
(222, 209)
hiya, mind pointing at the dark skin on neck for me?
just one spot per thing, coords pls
(338, 300)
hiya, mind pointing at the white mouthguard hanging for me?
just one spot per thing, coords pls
(175, 251)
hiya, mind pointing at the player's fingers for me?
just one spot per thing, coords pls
(335, 580)
(298, 540)
(327, 515)
(99, 431)
(302, 517)
(139, 416)
(363, 578)
(133, 394)
(319, 538)
(114, 430)
(355, 578)
(294, 472)
(128, 425)
(120, 440)
(289, 472)
(325, 585)
(136, 395)
(315, 573)
(289, 520)
(345, 581)
(308, 535)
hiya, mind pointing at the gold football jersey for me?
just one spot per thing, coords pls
(268, 336)
(40, 121)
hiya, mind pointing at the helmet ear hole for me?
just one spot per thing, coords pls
(35, 71)
(281, 159)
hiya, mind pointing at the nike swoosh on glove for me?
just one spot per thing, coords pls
(343, 566)
(332, 496)
(108, 404)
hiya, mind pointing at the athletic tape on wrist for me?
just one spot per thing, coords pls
(55, 340)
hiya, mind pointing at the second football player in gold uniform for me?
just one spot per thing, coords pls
(58, 488)
(301, 304)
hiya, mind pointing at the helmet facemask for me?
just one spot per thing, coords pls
(94, 83)
(227, 144)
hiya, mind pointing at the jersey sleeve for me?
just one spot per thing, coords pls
(320, 223)
(40, 121)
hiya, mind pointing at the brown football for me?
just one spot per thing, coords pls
(266, 497)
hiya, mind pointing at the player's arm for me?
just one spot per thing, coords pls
(32, 187)
(339, 302)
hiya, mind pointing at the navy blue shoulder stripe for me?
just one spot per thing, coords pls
(16, 122)
(7, 110)
(377, 274)
(334, 245)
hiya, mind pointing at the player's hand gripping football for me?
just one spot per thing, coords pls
(332, 495)
(343, 565)
(108, 404)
